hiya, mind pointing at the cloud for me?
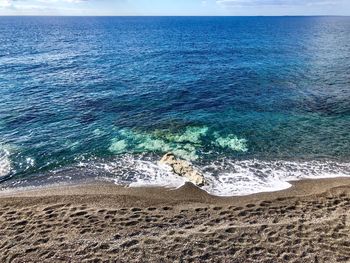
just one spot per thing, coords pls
(5, 3)
(13, 3)
(65, 1)
(247, 3)
(75, 1)
(34, 4)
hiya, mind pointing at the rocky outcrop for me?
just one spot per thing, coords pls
(183, 168)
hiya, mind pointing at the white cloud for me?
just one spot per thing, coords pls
(5, 3)
(29, 4)
(276, 2)
(66, 1)
(74, 1)
(40, 6)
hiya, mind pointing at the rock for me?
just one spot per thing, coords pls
(184, 169)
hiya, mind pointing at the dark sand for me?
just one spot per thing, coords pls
(309, 222)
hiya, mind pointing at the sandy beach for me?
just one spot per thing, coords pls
(310, 222)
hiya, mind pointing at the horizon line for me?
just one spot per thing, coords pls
(174, 16)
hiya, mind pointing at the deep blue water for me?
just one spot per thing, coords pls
(249, 100)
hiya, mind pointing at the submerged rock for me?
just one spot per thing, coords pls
(184, 169)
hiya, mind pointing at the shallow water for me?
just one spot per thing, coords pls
(253, 101)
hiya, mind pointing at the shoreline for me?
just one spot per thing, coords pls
(102, 222)
(301, 187)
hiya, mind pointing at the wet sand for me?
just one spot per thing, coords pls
(309, 222)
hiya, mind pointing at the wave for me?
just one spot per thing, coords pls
(226, 177)
(231, 177)
(12, 161)
(134, 171)
(5, 162)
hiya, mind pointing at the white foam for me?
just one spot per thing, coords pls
(29, 162)
(148, 174)
(5, 163)
(137, 172)
(231, 177)
(225, 177)
(228, 184)
(157, 175)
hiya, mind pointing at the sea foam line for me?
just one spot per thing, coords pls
(232, 177)
(225, 177)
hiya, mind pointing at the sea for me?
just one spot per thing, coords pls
(252, 102)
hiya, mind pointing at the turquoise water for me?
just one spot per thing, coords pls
(252, 101)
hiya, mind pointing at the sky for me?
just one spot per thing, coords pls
(174, 7)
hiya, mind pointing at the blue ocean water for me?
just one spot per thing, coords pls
(252, 101)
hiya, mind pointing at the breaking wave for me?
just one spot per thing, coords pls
(5, 163)
(232, 177)
(226, 177)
